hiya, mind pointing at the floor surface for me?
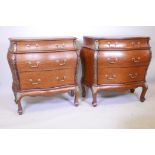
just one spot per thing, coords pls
(114, 110)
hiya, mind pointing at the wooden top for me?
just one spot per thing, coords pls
(116, 37)
(117, 43)
(40, 38)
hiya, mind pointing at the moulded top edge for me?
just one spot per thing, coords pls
(116, 37)
(39, 38)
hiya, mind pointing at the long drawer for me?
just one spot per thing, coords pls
(46, 61)
(123, 58)
(123, 44)
(46, 79)
(121, 75)
(33, 46)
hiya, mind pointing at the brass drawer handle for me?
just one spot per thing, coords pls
(109, 44)
(133, 75)
(60, 46)
(136, 59)
(138, 44)
(36, 45)
(35, 65)
(62, 63)
(59, 79)
(112, 60)
(132, 43)
(35, 83)
(116, 44)
(27, 46)
(108, 77)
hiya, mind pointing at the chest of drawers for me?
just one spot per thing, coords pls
(43, 66)
(114, 64)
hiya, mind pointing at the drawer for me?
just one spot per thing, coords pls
(123, 58)
(121, 75)
(33, 46)
(46, 61)
(123, 43)
(46, 79)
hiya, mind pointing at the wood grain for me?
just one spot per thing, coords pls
(43, 67)
(122, 64)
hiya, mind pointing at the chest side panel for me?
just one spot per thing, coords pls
(87, 60)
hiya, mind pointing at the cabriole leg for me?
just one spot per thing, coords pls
(83, 90)
(15, 93)
(18, 101)
(20, 110)
(77, 96)
(144, 89)
(94, 94)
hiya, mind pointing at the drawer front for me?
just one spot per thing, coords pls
(46, 61)
(123, 44)
(123, 58)
(121, 75)
(46, 79)
(33, 46)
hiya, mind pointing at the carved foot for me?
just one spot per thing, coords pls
(94, 104)
(83, 90)
(72, 93)
(77, 96)
(144, 89)
(20, 112)
(94, 94)
(76, 104)
(132, 90)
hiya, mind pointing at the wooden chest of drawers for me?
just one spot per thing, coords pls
(43, 67)
(115, 64)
